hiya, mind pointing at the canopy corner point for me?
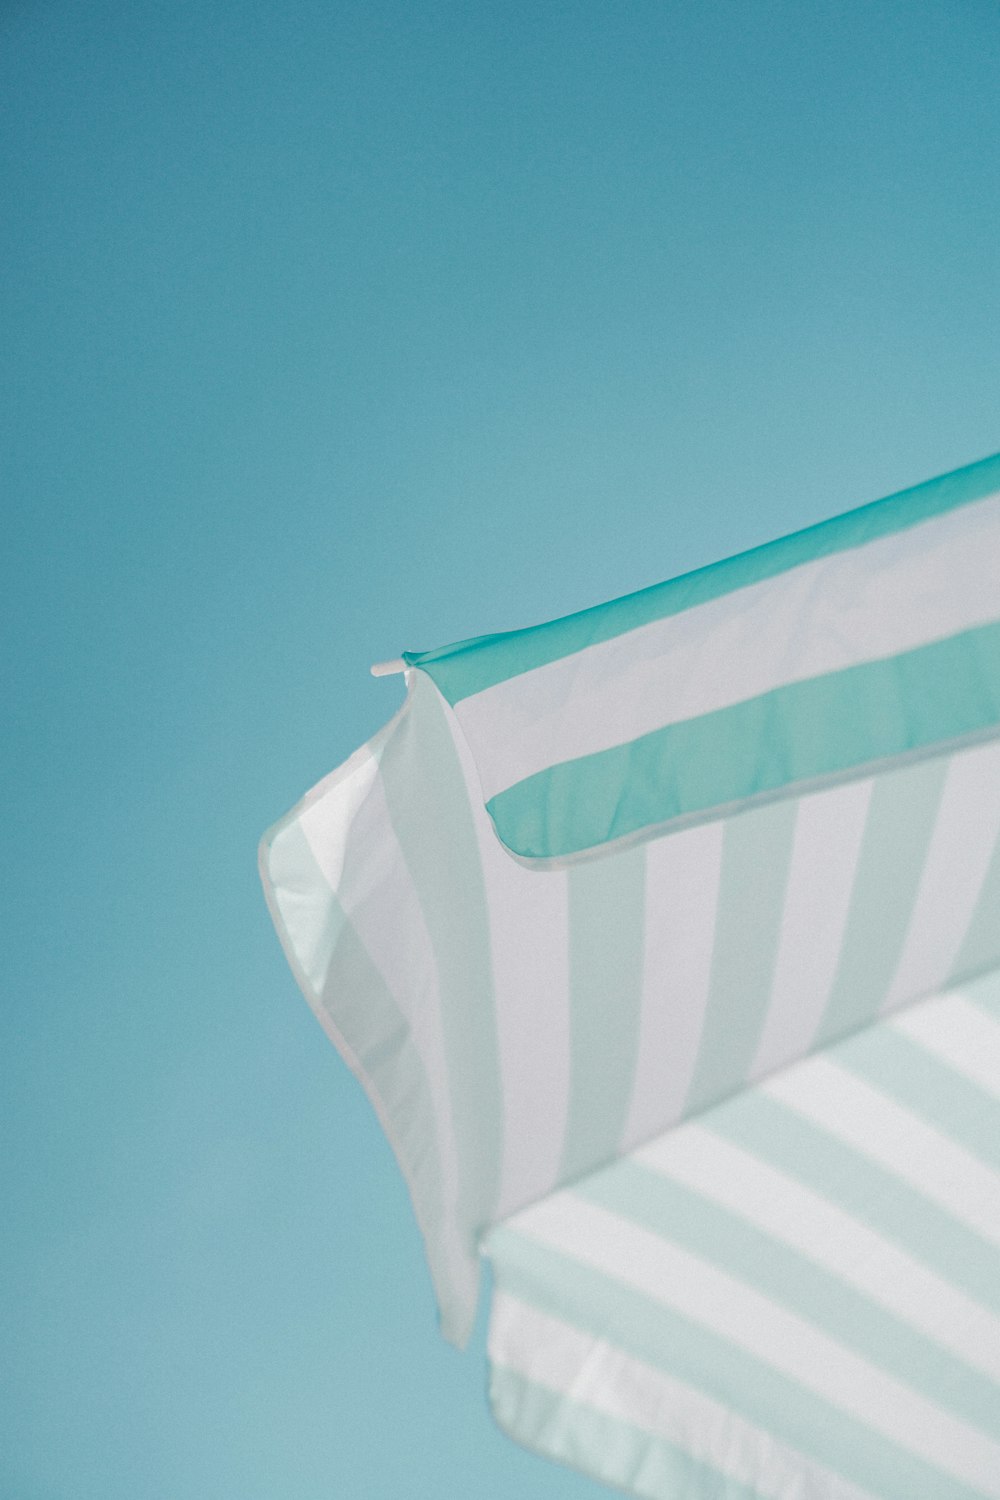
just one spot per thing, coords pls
(387, 668)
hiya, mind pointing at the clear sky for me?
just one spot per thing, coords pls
(331, 328)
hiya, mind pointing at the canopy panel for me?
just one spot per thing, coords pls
(863, 642)
(746, 820)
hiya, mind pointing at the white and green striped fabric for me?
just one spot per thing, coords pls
(665, 939)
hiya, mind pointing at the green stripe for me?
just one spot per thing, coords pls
(598, 1304)
(362, 1008)
(430, 813)
(981, 945)
(984, 991)
(756, 855)
(898, 829)
(471, 666)
(795, 738)
(866, 1190)
(757, 1259)
(606, 942)
(929, 1088)
(619, 1453)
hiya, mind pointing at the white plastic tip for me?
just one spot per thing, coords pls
(387, 668)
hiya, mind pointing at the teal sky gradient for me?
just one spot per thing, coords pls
(329, 330)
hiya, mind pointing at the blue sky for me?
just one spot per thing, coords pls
(331, 330)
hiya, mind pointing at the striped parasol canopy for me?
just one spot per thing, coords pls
(665, 940)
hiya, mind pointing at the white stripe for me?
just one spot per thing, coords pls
(529, 939)
(739, 1314)
(306, 908)
(324, 819)
(682, 888)
(829, 829)
(963, 842)
(552, 1353)
(849, 1108)
(960, 1034)
(328, 813)
(821, 1230)
(921, 584)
